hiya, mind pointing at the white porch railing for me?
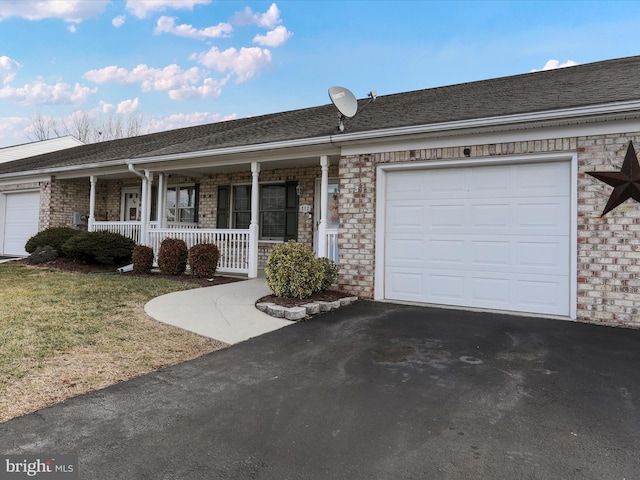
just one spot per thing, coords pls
(233, 244)
(128, 229)
(332, 245)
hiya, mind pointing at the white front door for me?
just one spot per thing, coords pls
(131, 198)
(333, 219)
(495, 237)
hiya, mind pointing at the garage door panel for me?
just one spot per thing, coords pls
(401, 250)
(544, 179)
(544, 217)
(403, 216)
(501, 242)
(405, 284)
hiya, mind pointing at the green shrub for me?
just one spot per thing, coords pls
(172, 257)
(99, 247)
(203, 260)
(142, 259)
(329, 271)
(292, 271)
(53, 237)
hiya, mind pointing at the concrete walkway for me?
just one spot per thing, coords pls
(223, 312)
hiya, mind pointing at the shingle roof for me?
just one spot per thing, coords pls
(589, 84)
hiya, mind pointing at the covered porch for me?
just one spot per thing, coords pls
(250, 229)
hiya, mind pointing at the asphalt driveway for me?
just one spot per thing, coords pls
(371, 391)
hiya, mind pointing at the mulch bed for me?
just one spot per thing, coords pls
(68, 265)
(328, 296)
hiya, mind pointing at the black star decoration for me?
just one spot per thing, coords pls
(625, 183)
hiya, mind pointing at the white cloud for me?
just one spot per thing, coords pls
(118, 21)
(209, 88)
(12, 129)
(72, 28)
(74, 11)
(179, 120)
(141, 8)
(269, 19)
(127, 107)
(168, 25)
(553, 64)
(150, 79)
(8, 69)
(245, 64)
(180, 84)
(274, 38)
(40, 93)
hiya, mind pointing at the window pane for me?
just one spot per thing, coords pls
(242, 219)
(242, 198)
(272, 225)
(273, 197)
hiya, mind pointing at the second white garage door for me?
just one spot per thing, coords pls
(494, 237)
(20, 221)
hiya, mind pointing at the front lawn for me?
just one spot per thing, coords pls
(63, 333)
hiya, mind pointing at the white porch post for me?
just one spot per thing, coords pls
(92, 203)
(162, 198)
(253, 227)
(144, 208)
(324, 194)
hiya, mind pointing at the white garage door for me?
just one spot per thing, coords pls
(495, 237)
(20, 221)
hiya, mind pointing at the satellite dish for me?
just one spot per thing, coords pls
(344, 101)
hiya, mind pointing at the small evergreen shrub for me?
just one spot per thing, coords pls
(43, 255)
(203, 260)
(292, 271)
(99, 247)
(142, 259)
(329, 271)
(172, 256)
(54, 237)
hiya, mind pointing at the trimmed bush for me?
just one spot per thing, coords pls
(172, 257)
(99, 247)
(329, 271)
(203, 260)
(54, 237)
(142, 259)
(43, 255)
(292, 271)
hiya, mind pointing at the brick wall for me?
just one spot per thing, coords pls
(608, 248)
(67, 197)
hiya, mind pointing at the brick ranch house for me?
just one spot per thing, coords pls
(473, 195)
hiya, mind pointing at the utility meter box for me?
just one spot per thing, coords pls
(79, 218)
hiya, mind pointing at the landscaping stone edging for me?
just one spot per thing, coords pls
(299, 313)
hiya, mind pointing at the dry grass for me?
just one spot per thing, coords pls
(63, 334)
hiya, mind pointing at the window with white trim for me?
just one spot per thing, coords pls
(182, 203)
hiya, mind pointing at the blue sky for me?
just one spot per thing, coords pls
(176, 63)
